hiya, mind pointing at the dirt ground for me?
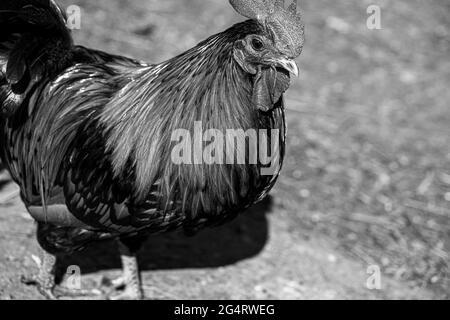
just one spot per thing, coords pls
(367, 174)
(259, 256)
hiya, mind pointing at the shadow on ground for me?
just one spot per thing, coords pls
(211, 248)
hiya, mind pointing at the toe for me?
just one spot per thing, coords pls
(117, 283)
(127, 294)
(64, 292)
(29, 280)
(47, 293)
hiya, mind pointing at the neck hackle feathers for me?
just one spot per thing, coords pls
(285, 25)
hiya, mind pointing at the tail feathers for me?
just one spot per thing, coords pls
(34, 43)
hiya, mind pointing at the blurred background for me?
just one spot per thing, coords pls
(367, 176)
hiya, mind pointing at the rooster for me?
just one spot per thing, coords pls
(88, 135)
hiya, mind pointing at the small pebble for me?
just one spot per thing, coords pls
(447, 196)
(332, 258)
(304, 193)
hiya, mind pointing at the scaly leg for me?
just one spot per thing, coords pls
(130, 280)
(45, 279)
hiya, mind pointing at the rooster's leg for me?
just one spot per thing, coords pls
(45, 279)
(130, 280)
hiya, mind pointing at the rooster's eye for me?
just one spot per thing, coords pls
(257, 44)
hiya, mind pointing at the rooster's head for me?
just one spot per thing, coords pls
(269, 54)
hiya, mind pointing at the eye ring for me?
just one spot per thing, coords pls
(257, 44)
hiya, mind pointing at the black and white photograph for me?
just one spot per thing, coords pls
(241, 151)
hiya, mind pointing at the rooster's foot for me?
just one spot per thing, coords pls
(123, 288)
(50, 291)
(45, 286)
(44, 281)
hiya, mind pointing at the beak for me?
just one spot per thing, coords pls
(288, 65)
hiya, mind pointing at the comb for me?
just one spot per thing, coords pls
(285, 23)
